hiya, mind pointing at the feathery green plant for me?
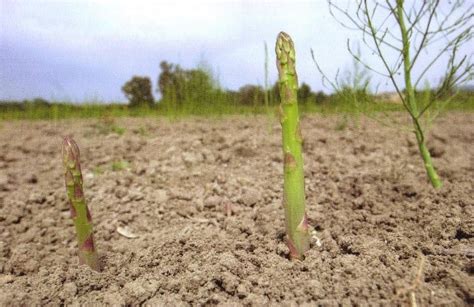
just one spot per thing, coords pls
(294, 196)
(79, 212)
(410, 39)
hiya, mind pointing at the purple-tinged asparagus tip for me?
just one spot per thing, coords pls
(88, 244)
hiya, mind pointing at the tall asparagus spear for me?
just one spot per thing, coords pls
(294, 198)
(79, 212)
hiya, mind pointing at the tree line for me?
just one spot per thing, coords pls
(181, 88)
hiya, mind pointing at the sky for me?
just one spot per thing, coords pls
(85, 50)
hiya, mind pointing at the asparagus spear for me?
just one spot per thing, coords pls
(79, 212)
(294, 198)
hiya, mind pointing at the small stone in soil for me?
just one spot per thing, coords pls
(3, 182)
(250, 197)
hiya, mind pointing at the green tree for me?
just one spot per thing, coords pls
(138, 91)
(321, 97)
(304, 93)
(251, 95)
(188, 88)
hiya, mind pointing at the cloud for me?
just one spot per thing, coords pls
(61, 40)
(85, 48)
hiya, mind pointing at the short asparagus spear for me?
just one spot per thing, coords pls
(294, 197)
(79, 212)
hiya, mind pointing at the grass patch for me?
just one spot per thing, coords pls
(59, 111)
(119, 165)
(107, 126)
(98, 170)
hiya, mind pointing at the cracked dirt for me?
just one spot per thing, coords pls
(202, 200)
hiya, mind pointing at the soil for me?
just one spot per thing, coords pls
(189, 212)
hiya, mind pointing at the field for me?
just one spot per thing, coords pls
(190, 211)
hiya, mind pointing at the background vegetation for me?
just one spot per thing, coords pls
(196, 91)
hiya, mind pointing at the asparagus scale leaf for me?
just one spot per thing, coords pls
(294, 197)
(80, 213)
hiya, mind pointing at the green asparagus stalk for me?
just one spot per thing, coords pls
(79, 212)
(294, 197)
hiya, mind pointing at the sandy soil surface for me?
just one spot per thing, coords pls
(203, 200)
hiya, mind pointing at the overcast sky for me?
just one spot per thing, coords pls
(84, 50)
